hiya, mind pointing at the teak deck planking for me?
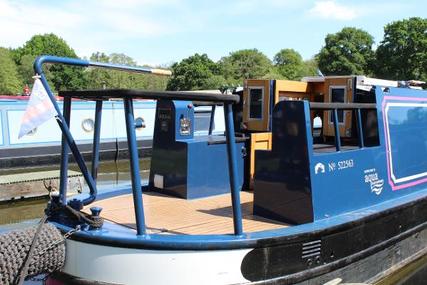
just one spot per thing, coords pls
(170, 215)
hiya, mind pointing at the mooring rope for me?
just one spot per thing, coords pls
(95, 222)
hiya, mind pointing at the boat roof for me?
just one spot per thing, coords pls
(365, 83)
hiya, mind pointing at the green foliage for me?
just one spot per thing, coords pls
(10, 83)
(310, 67)
(273, 73)
(99, 78)
(25, 69)
(289, 64)
(245, 64)
(61, 77)
(195, 73)
(347, 52)
(402, 54)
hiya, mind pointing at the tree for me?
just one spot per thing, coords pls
(245, 64)
(311, 67)
(99, 78)
(26, 70)
(289, 64)
(61, 76)
(402, 54)
(194, 73)
(10, 82)
(347, 52)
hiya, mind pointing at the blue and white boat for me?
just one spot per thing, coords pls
(43, 144)
(354, 211)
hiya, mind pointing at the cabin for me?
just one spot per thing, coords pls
(260, 97)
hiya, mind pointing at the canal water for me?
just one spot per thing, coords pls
(21, 214)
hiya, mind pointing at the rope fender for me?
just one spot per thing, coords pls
(47, 254)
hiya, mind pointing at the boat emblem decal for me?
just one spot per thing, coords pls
(371, 177)
(320, 167)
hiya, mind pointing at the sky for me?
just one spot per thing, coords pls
(160, 32)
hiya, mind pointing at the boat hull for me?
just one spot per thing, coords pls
(360, 250)
(115, 265)
(109, 265)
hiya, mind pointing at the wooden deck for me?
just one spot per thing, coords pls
(170, 215)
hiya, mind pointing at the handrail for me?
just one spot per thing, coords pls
(128, 96)
(355, 107)
(156, 95)
(38, 68)
(38, 63)
(341, 106)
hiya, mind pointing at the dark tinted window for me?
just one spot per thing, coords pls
(255, 101)
(337, 96)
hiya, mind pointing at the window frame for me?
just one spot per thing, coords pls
(330, 121)
(262, 102)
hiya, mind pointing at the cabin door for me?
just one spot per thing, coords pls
(256, 105)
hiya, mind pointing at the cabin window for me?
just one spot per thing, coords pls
(256, 99)
(337, 95)
(202, 120)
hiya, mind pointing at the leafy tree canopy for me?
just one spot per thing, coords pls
(245, 64)
(195, 73)
(310, 67)
(10, 82)
(347, 52)
(61, 77)
(402, 54)
(99, 78)
(289, 64)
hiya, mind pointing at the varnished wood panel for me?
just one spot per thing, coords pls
(170, 215)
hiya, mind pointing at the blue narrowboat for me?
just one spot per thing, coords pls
(352, 207)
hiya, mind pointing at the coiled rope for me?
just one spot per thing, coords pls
(39, 249)
(30, 252)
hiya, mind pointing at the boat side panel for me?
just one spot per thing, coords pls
(405, 118)
(113, 117)
(325, 251)
(134, 267)
(359, 178)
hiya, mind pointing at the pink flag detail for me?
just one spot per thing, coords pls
(39, 109)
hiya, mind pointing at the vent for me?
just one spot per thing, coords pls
(311, 249)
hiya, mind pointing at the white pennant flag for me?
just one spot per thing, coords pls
(39, 109)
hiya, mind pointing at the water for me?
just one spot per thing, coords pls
(21, 214)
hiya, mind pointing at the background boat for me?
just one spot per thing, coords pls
(42, 146)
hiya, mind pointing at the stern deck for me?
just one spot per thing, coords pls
(170, 215)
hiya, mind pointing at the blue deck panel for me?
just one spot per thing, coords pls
(191, 166)
(363, 177)
(342, 181)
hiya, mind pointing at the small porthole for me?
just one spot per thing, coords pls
(140, 123)
(88, 125)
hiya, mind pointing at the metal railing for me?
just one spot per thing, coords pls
(354, 107)
(68, 142)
